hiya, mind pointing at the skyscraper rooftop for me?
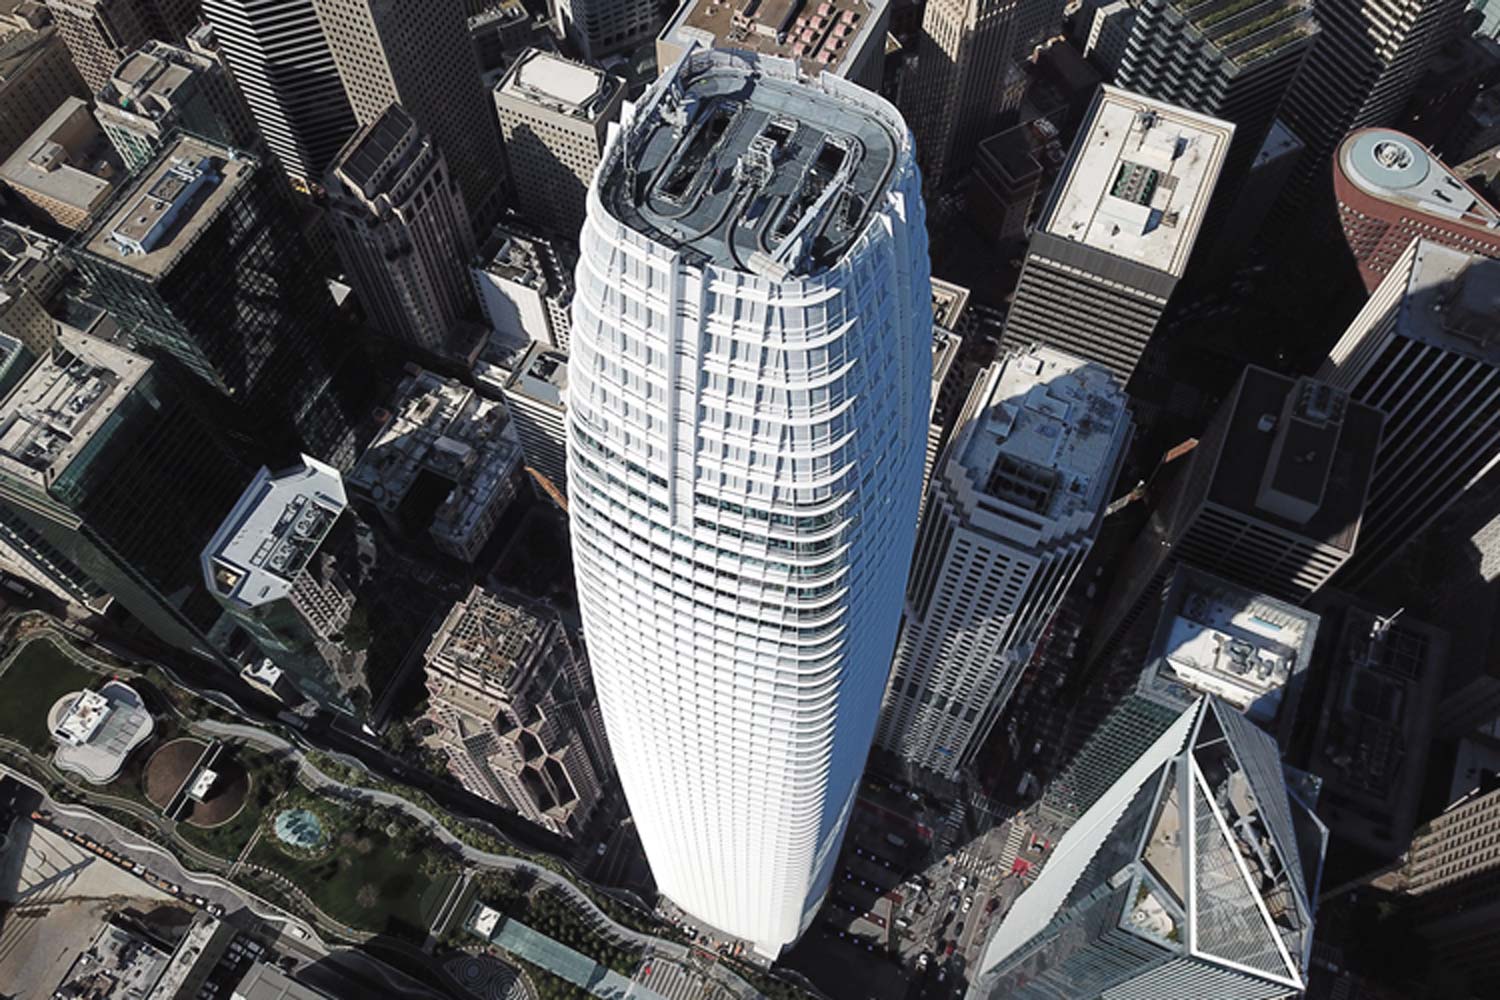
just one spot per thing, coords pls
(1046, 439)
(62, 403)
(1394, 167)
(1139, 180)
(273, 531)
(744, 167)
(159, 218)
(568, 87)
(1451, 301)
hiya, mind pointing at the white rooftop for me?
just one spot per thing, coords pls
(1048, 437)
(1139, 179)
(96, 730)
(272, 532)
(542, 76)
(1396, 168)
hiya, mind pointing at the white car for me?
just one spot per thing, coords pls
(968, 902)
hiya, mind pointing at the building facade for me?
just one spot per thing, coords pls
(166, 260)
(1392, 191)
(286, 73)
(1195, 875)
(36, 75)
(515, 711)
(599, 28)
(101, 33)
(525, 286)
(417, 54)
(1424, 351)
(554, 114)
(288, 565)
(536, 396)
(1118, 229)
(110, 483)
(402, 232)
(962, 82)
(747, 410)
(160, 88)
(1008, 521)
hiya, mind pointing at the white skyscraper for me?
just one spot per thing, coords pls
(747, 411)
(1010, 516)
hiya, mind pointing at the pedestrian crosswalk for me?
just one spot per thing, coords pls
(1012, 849)
(972, 863)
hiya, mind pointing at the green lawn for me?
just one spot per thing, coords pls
(369, 884)
(39, 674)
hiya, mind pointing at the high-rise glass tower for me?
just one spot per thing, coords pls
(747, 411)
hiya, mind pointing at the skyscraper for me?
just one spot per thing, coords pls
(1368, 58)
(598, 28)
(1271, 498)
(553, 117)
(1234, 62)
(101, 33)
(956, 93)
(36, 75)
(1009, 519)
(1392, 191)
(1118, 229)
(175, 259)
(289, 563)
(160, 88)
(1425, 351)
(417, 54)
(1195, 875)
(402, 231)
(534, 397)
(111, 482)
(747, 410)
(283, 67)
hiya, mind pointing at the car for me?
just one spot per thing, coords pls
(942, 974)
(952, 946)
(953, 904)
(963, 882)
(968, 902)
(602, 849)
(958, 931)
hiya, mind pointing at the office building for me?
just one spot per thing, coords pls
(1425, 351)
(444, 462)
(500, 31)
(1391, 191)
(402, 232)
(101, 33)
(110, 483)
(741, 537)
(1375, 730)
(515, 711)
(33, 274)
(843, 37)
(1367, 62)
(554, 114)
(535, 397)
(65, 171)
(289, 563)
(1270, 498)
(1118, 229)
(599, 28)
(1212, 637)
(161, 88)
(964, 80)
(1010, 169)
(1008, 521)
(525, 285)
(417, 54)
(286, 73)
(170, 261)
(1232, 61)
(1195, 875)
(946, 373)
(36, 73)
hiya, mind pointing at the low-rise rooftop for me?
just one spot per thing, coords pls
(273, 531)
(562, 85)
(949, 302)
(119, 965)
(1396, 168)
(55, 411)
(146, 83)
(174, 199)
(1216, 637)
(1139, 180)
(1048, 438)
(542, 374)
(488, 633)
(96, 731)
(737, 163)
(67, 160)
(822, 35)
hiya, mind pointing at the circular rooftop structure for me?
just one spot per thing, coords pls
(96, 731)
(1384, 159)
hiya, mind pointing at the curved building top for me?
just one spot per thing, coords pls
(737, 160)
(1396, 168)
